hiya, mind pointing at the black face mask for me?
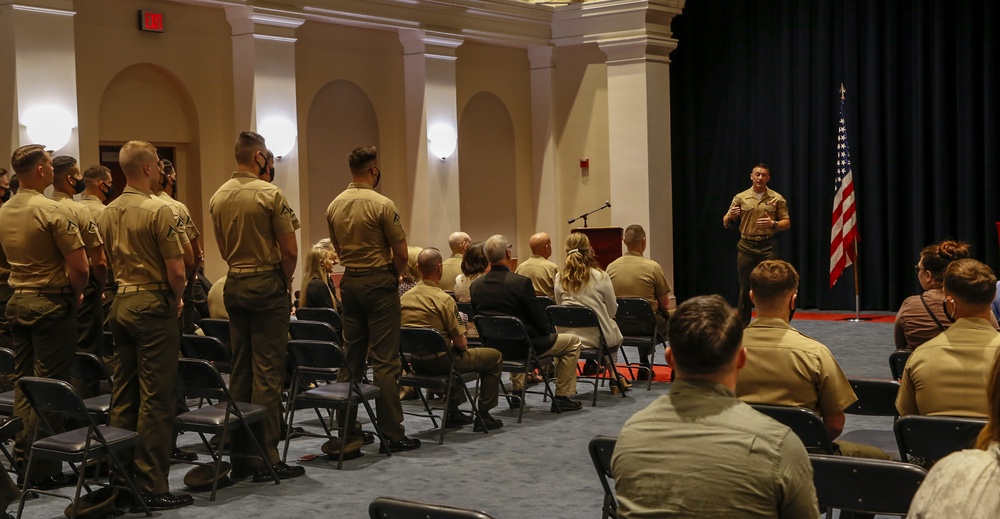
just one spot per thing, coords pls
(949, 315)
(107, 192)
(273, 172)
(79, 185)
(6, 194)
(378, 177)
(263, 169)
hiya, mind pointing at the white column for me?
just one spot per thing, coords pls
(639, 130)
(545, 159)
(40, 56)
(431, 103)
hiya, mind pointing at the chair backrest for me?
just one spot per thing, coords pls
(323, 315)
(876, 397)
(421, 341)
(313, 331)
(601, 448)
(48, 395)
(206, 348)
(897, 361)
(544, 302)
(935, 437)
(390, 508)
(218, 328)
(316, 358)
(635, 317)
(572, 317)
(108, 345)
(467, 309)
(807, 425)
(6, 361)
(199, 378)
(87, 366)
(504, 333)
(865, 485)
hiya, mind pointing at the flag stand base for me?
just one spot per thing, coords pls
(857, 319)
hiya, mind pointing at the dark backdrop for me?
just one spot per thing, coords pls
(757, 81)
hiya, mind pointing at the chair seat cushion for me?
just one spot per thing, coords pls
(98, 404)
(76, 440)
(335, 394)
(215, 415)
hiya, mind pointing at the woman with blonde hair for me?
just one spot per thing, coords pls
(317, 287)
(411, 274)
(966, 483)
(581, 282)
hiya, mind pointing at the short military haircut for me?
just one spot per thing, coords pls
(362, 158)
(633, 235)
(428, 261)
(763, 166)
(772, 279)
(247, 146)
(970, 281)
(62, 165)
(134, 155)
(705, 334)
(27, 158)
(96, 174)
(495, 248)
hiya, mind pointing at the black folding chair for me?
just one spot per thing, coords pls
(470, 312)
(934, 437)
(318, 361)
(807, 425)
(323, 315)
(208, 348)
(428, 341)
(390, 508)
(876, 397)
(601, 449)
(302, 330)
(897, 361)
(108, 345)
(9, 427)
(7, 368)
(218, 328)
(198, 378)
(507, 334)
(50, 398)
(637, 323)
(864, 485)
(583, 317)
(90, 367)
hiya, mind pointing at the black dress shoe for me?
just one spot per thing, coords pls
(590, 368)
(404, 444)
(165, 501)
(282, 469)
(517, 399)
(490, 423)
(179, 455)
(563, 404)
(49, 482)
(457, 418)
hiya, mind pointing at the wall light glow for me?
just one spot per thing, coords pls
(443, 140)
(49, 125)
(280, 134)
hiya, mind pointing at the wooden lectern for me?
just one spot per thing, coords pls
(606, 242)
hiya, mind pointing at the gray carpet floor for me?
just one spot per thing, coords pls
(539, 468)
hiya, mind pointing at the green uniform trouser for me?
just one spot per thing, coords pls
(859, 450)
(90, 334)
(6, 339)
(43, 326)
(750, 254)
(147, 344)
(259, 311)
(372, 317)
(488, 362)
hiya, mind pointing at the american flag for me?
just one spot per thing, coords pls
(844, 233)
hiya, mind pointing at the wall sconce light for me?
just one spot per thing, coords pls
(443, 140)
(49, 125)
(280, 134)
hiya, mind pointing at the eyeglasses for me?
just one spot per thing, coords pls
(917, 268)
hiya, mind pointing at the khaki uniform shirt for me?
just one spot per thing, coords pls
(94, 204)
(698, 452)
(427, 306)
(635, 276)
(948, 374)
(364, 224)
(185, 222)
(785, 367)
(36, 235)
(84, 220)
(140, 237)
(542, 273)
(914, 326)
(248, 215)
(451, 268)
(771, 204)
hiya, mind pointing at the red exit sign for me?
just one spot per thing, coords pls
(150, 21)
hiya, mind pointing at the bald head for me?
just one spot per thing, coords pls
(540, 244)
(429, 264)
(459, 242)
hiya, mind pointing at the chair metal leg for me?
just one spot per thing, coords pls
(25, 486)
(378, 428)
(260, 449)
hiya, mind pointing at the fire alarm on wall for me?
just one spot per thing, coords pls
(584, 163)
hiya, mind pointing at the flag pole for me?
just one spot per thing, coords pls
(857, 290)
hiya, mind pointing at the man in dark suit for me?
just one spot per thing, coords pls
(502, 292)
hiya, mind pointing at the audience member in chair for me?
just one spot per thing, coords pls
(921, 317)
(699, 452)
(427, 306)
(502, 292)
(635, 276)
(946, 375)
(458, 242)
(538, 268)
(317, 291)
(965, 483)
(785, 367)
(582, 283)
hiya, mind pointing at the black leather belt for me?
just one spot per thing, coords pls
(756, 237)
